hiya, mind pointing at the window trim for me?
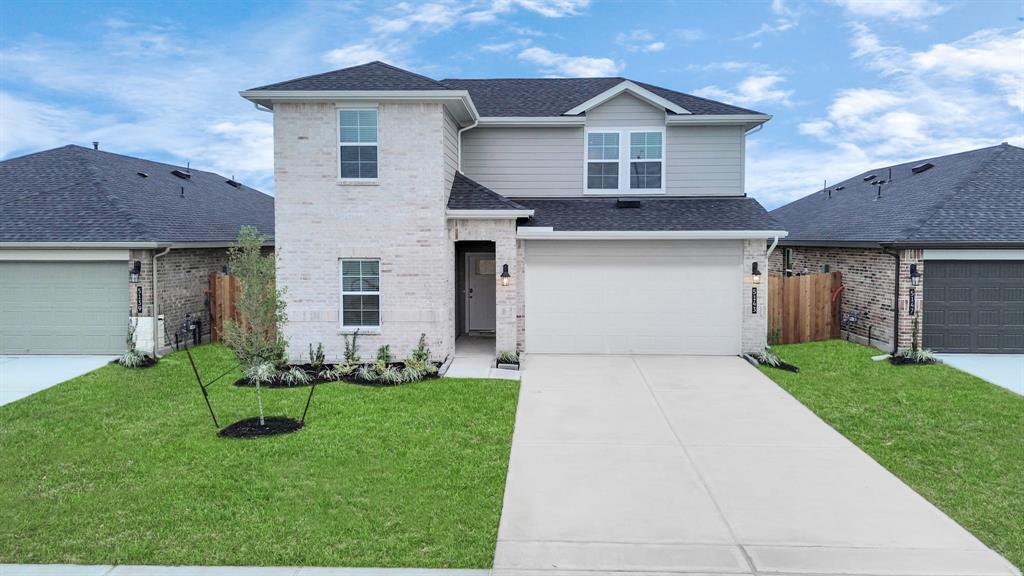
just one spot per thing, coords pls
(338, 143)
(625, 162)
(342, 293)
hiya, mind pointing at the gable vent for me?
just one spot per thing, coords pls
(181, 174)
(869, 178)
(628, 203)
(143, 174)
(922, 167)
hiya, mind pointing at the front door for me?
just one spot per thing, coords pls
(480, 281)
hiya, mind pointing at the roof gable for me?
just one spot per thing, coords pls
(627, 86)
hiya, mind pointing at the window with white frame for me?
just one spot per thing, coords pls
(625, 161)
(603, 160)
(360, 293)
(358, 146)
(645, 160)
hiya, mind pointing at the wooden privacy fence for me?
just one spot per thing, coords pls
(223, 293)
(803, 308)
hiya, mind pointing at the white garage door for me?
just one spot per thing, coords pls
(633, 297)
(63, 307)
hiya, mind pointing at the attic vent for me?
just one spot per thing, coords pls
(880, 182)
(627, 203)
(922, 167)
(838, 188)
(234, 183)
(143, 174)
(869, 178)
(181, 174)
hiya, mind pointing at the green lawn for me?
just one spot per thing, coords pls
(124, 467)
(956, 439)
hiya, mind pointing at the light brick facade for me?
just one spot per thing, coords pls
(868, 280)
(755, 324)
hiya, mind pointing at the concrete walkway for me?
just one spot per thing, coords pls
(703, 465)
(22, 376)
(475, 358)
(1006, 370)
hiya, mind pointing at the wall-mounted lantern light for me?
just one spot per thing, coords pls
(755, 274)
(915, 276)
(134, 271)
(505, 276)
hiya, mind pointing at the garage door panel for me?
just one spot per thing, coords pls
(974, 306)
(58, 307)
(633, 297)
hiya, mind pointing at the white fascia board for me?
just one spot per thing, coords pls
(750, 120)
(266, 98)
(972, 254)
(634, 89)
(487, 214)
(539, 233)
(531, 121)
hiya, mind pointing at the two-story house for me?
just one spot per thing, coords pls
(561, 215)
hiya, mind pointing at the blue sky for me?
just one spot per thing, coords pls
(851, 83)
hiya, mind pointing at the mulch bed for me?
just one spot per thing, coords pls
(904, 361)
(251, 428)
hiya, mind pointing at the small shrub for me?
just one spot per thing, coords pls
(316, 356)
(767, 358)
(412, 373)
(366, 373)
(421, 352)
(351, 357)
(344, 370)
(390, 375)
(296, 376)
(327, 373)
(260, 373)
(131, 358)
(508, 357)
(912, 356)
(384, 354)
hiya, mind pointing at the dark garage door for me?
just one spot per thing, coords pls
(974, 306)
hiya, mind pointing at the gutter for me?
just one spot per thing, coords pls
(896, 302)
(487, 214)
(156, 304)
(542, 233)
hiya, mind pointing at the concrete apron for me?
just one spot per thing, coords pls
(704, 465)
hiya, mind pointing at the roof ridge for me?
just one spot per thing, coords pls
(372, 63)
(535, 78)
(962, 182)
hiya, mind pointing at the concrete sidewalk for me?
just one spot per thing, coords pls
(704, 465)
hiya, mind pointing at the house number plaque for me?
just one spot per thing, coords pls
(138, 299)
(753, 300)
(912, 302)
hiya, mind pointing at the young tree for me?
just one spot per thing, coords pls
(256, 337)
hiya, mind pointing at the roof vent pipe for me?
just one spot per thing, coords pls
(95, 145)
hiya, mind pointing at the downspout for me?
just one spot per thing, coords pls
(896, 302)
(156, 305)
(775, 242)
(461, 130)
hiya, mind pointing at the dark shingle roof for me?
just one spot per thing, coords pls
(76, 194)
(975, 196)
(529, 97)
(467, 194)
(372, 76)
(654, 214)
(556, 96)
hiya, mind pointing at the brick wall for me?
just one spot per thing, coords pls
(399, 220)
(868, 276)
(908, 257)
(755, 325)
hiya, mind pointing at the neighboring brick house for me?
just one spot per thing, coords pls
(74, 225)
(580, 215)
(954, 225)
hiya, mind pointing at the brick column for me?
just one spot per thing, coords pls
(755, 325)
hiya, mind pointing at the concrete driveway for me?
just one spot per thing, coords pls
(703, 465)
(21, 376)
(1006, 370)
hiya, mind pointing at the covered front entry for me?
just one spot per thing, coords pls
(634, 297)
(62, 307)
(974, 306)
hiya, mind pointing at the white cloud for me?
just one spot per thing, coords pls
(891, 9)
(556, 64)
(639, 41)
(819, 128)
(689, 34)
(755, 89)
(985, 54)
(355, 54)
(546, 8)
(505, 46)
(435, 17)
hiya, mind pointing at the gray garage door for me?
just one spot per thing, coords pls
(63, 307)
(974, 306)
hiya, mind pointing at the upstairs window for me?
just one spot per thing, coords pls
(358, 144)
(602, 147)
(645, 160)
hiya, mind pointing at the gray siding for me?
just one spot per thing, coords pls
(701, 160)
(704, 160)
(450, 137)
(525, 161)
(625, 111)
